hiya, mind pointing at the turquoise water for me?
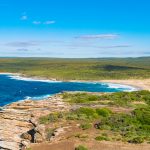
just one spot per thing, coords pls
(14, 88)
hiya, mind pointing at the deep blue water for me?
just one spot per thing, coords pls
(13, 89)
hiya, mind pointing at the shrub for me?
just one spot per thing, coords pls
(80, 97)
(80, 147)
(49, 133)
(136, 140)
(105, 112)
(53, 117)
(85, 126)
(89, 112)
(143, 115)
(102, 138)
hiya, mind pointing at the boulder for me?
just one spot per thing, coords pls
(26, 136)
(38, 138)
(25, 144)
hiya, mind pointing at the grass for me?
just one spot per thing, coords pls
(85, 126)
(124, 99)
(102, 138)
(79, 98)
(83, 113)
(81, 147)
(127, 98)
(49, 133)
(79, 69)
(51, 118)
(132, 127)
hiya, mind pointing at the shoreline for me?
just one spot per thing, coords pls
(134, 84)
(19, 76)
(23, 117)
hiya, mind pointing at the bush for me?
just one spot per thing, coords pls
(143, 115)
(85, 113)
(105, 112)
(80, 97)
(89, 112)
(102, 138)
(125, 98)
(53, 117)
(80, 147)
(49, 133)
(85, 126)
(136, 140)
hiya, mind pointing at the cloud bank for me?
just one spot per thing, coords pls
(99, 36)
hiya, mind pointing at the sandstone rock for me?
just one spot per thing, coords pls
(25, 144)
(21, 117)
(26, 136)
(38, 138)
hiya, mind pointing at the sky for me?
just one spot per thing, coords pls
(74, 28)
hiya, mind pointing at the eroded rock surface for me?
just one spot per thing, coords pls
(19, 125)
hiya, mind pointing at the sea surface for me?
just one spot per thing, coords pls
(14, 88)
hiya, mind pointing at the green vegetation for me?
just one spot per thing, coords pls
(81, 136)
(83, 113)
(126, 98)
(87, 114)
(80, 147)
(102, 138)
(49, 133)
(85, 126)
(79, 69)
(105, 112)
(80, 98)
(132, 126)
(116, 99)
(53, 117)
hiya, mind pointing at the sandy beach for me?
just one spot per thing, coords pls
(143, 84)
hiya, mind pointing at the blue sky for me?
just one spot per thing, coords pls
(74, 28)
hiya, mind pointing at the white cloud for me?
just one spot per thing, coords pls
(46, 22)
(36, 22)
(24, 17)
(114, 46)
(99, 36)
(22, 44)
(50, 22)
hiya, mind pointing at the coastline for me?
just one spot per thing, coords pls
(23, 115)
(116, 85)
(134, 84)
(19, 76)
(140, 84)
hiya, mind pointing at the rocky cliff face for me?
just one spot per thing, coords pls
(18, 122)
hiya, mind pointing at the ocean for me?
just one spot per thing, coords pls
(14, 88)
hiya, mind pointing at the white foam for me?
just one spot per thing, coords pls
(38, 97)
(122, 87)
(18, 77)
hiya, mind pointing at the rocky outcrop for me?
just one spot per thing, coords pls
(19, 122)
